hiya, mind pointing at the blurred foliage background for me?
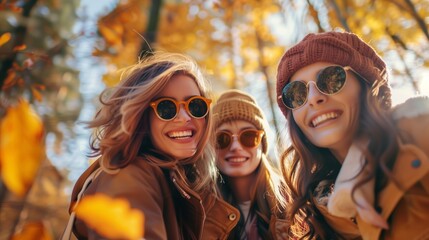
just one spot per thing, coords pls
(57, 55)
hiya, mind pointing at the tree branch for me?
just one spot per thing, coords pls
(340, 17)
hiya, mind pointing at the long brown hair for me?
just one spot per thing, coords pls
(304, 165)
(122, 126)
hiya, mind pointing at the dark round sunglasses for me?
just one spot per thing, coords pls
(167, 108)
(248, 138)
(329, 81)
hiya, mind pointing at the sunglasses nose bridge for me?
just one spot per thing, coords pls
(182, 111)
(311, 86)
(314, 94)
(235, 142)
(314, 83)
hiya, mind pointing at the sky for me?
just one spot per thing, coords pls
(75, 147)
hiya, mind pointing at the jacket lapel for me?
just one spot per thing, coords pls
(411, 165)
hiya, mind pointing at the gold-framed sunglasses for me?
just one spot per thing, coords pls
(330, 81)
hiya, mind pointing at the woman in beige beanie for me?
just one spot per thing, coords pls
(356, 168)
(250, 182)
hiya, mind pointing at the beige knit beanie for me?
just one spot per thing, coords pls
(237, 105)
(341, 48)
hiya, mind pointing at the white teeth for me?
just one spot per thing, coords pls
(236, 160)
(181, 134)
(324, 117)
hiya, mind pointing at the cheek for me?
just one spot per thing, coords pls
(220, 159)
(155, 127)
(200, 125)
(220, 154)
(352, 99)
(258, 154)
(355, 114)
(298, 117)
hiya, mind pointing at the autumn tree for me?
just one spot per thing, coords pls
(240, 42)
(395, 27)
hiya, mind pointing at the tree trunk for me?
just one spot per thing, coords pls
(268, 86)
(152, 28)
(340, 16)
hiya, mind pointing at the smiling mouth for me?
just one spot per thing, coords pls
(323, 118)
(181, 134)
(236, 159)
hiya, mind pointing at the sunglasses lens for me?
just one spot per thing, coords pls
(198, 107)
(331, 80)
(223, 140)
(250, 138)
(294, 94)
(166, 109)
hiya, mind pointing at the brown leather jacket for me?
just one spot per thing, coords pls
(171, 209)
(407, 207)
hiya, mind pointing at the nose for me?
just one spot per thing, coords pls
(182, 115)
(315, 97)
(235, 144)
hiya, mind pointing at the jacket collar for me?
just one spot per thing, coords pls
(411, 165)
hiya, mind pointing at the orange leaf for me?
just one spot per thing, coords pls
(33, 231)
(112, 37)
(20, 47)
(36, 94)
(112, 218)
(4, 38)
(10, 80)
(21, 147)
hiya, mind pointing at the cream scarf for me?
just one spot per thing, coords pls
(341, 202)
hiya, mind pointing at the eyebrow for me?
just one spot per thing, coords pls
(186, 98)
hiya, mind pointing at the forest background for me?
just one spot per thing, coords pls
(56, 56)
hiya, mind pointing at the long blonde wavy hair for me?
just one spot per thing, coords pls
(122, 126)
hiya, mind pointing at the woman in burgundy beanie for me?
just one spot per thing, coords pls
(356, 167)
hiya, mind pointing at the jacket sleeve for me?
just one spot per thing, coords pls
(142, 188)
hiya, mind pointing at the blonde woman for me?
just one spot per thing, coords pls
(249, 180)
(151, 136)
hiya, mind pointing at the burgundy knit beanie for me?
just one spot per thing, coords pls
(235, 105)
(340, 48)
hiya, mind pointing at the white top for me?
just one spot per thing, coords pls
(245, 208)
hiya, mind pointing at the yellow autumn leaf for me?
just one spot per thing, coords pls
(110, 35)
(33, 231)
(4, 38)
(21, 147)
(111, 218)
